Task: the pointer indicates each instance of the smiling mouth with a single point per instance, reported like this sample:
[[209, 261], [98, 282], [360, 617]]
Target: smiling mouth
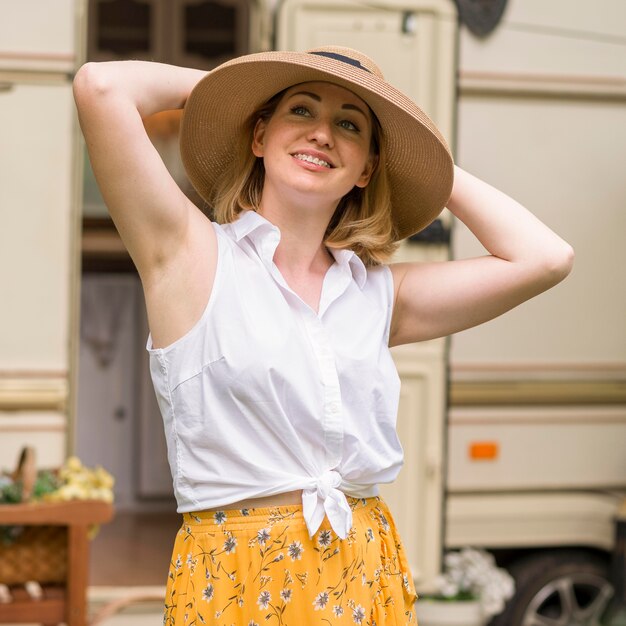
[[311, 159]]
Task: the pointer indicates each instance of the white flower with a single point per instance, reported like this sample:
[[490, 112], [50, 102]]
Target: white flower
[[264, 599], [295, 550], [475, 572], [230, 544], [207, 593], [321, 601], [447, 587], [324, 538], [358, 614]]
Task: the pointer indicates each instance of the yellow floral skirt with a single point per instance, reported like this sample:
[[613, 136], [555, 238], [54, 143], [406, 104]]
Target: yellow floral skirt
[[252, 567]]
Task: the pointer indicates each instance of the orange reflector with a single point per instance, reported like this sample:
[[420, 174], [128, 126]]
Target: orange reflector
[[484, 451]]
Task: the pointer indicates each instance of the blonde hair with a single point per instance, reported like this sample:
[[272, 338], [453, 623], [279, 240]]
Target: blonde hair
[[362, 221]]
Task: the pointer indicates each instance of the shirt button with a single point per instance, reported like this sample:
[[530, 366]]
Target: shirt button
[[334, 407]]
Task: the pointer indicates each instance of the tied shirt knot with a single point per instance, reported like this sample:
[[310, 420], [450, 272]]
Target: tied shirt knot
[[325, 498]]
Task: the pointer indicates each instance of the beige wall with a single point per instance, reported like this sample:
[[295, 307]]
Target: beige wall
[[542, 116], [39, 256]]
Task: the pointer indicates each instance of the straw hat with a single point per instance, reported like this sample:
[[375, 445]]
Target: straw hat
[[419, 163]]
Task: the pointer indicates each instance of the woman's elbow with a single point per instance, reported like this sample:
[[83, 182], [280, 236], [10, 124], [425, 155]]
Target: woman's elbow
[[90, 79], [559, 263]]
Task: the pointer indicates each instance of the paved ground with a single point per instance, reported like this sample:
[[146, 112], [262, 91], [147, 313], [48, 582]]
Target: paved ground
[[146, 613]]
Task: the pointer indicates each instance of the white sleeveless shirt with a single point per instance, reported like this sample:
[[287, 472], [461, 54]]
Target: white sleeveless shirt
[[264, 395]]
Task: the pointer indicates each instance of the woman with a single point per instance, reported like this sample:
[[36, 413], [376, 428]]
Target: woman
[[271, 327]]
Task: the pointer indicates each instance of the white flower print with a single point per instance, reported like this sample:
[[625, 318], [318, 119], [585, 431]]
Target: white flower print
[[263, 535], [321, 601], [358, 614], [207, 593], [230, 544], [324, 538], [295, 550], [288, 578], [279, 592], [264, 599], [384, 522], [191, 563], [245, 512]]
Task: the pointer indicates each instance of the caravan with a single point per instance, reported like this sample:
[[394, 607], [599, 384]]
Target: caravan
[[514, 432]]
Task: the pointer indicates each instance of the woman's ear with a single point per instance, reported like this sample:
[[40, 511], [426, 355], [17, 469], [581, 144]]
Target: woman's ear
[[369, 169], [258, 136]]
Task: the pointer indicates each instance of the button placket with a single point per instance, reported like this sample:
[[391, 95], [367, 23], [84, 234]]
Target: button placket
[[332, 423]]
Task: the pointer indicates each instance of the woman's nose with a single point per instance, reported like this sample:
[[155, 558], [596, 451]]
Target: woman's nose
[[322, 132]]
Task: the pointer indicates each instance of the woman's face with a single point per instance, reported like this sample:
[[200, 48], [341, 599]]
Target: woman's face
[[317, 141]]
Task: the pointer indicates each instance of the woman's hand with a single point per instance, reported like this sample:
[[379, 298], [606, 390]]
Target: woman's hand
[[525, 258]]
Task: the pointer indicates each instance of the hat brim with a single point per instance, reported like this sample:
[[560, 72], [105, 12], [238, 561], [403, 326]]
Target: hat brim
[[418, 160]]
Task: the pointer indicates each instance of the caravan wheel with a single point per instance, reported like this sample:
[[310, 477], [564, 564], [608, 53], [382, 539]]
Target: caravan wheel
[[560, 588]]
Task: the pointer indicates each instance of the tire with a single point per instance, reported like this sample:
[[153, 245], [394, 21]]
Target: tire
[[557, 588]]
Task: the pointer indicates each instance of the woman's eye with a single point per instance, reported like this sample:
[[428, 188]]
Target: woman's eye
[[300, 110], [348, 125]]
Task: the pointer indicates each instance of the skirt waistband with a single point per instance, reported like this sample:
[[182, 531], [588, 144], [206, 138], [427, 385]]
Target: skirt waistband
[[240, 518]]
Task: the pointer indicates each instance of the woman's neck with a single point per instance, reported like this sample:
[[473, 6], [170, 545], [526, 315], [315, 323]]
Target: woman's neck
[[301, 250]]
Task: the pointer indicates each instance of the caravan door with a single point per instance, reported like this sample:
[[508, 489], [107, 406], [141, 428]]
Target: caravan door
[[414, 44]]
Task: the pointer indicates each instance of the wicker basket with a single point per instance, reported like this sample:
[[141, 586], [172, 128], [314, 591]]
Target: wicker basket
[[38, 552]]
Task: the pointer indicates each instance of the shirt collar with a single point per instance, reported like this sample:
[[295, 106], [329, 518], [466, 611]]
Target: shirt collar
[[265, 237], [351, 260], [250, 221]]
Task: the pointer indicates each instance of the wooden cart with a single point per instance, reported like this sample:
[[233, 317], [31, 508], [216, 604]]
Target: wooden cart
[[65, 599]]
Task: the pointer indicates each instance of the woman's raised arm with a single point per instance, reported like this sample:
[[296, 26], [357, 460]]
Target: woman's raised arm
[[149, 210], [526, 258]]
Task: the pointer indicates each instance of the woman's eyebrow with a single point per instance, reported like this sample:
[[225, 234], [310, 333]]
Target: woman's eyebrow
[[306, 93], [314, 96], [354, 107]]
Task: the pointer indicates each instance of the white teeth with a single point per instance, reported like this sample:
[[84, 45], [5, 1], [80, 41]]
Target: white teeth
[[311, 159]]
